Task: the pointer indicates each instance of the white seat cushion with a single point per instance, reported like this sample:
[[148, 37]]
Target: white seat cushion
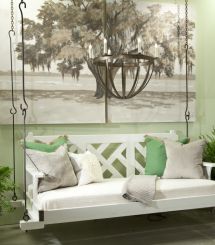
[[176, 188], [106, 192], [109, 192]]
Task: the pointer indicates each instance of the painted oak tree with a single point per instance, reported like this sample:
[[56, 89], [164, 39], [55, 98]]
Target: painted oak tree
[[65, 29], [81, 23], [168, 31]]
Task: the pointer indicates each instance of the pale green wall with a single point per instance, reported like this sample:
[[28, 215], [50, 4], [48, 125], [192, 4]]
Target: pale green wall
[[205, 99]]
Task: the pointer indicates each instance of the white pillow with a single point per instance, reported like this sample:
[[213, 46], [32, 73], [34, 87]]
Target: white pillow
[[56, 166], [184, 161], [87, 167]]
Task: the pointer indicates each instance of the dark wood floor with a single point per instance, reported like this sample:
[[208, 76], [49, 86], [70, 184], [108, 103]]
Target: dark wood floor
[[187, 227]]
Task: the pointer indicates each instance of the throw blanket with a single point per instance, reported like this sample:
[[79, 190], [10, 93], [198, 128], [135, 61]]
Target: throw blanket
[[140, 188]]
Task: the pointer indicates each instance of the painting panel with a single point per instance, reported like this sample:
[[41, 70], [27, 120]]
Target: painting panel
[[164, 98]]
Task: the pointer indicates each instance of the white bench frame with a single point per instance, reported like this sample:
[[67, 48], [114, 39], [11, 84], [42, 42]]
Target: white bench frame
[[41, 218]]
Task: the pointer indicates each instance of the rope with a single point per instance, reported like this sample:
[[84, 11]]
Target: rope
[[13, 110], [24, 108], [187, 112]]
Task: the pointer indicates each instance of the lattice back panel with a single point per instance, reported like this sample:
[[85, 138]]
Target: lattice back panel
[[120, 155]]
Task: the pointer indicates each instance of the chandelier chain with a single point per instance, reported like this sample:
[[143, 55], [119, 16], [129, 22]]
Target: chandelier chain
[[12, 15], [178, 22], [186, 24]]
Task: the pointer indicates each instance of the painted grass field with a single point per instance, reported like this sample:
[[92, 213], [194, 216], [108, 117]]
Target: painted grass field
[[53, 100]]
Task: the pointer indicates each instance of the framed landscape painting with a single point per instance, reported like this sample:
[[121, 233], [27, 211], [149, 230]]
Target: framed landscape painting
[[61, 39]]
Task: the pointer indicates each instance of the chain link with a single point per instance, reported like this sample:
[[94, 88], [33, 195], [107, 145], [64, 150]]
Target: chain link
[[12, 15]]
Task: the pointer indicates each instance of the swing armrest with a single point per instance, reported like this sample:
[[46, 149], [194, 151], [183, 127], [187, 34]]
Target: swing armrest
[[208, 166], [34, 175], [34, 172]]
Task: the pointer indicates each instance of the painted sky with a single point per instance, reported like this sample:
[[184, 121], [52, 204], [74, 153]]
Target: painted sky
[[31, 12]]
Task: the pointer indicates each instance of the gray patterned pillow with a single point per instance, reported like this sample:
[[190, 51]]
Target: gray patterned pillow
[[56, 166], [184, 161]]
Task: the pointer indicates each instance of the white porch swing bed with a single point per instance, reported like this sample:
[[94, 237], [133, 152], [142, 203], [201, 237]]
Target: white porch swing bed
[[104, 200]]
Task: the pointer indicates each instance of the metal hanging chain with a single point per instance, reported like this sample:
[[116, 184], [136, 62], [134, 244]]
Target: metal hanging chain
[[178, 27], [24, 108], [187, 112], [13, 109], [105, 18]]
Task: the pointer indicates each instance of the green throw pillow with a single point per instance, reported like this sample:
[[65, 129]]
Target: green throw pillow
[[156, 155], [50, 147]]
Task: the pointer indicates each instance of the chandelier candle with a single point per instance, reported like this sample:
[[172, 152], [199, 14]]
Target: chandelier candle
[[109, 52], [105, 46], [139, 45], [156, 50], [90, 51]]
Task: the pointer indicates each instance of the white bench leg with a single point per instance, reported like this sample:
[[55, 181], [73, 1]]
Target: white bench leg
[[31, 225]]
